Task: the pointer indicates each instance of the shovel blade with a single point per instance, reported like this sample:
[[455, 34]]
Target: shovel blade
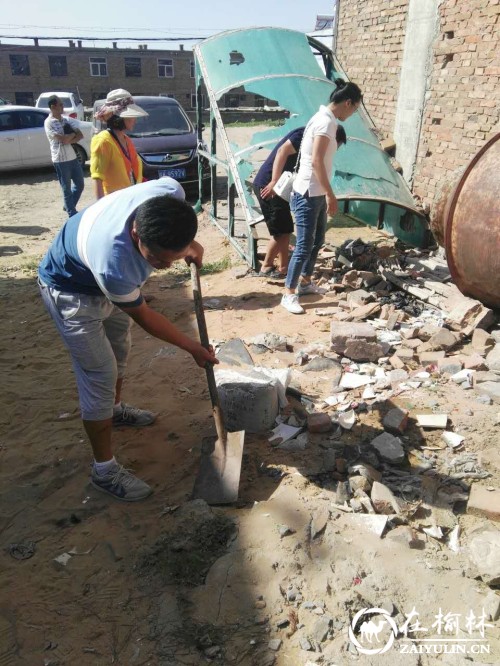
[[218, 477]]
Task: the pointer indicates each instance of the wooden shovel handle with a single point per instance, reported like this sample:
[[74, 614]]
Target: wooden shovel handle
[[202, 328]]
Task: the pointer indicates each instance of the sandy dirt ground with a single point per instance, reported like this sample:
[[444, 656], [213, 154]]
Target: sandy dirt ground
[[169, 582]]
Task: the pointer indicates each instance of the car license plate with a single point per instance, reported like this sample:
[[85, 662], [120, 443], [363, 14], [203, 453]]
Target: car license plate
[[173, 173]]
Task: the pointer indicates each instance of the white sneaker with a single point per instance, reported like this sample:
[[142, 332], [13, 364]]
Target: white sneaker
[[309, 288], [291, 303]]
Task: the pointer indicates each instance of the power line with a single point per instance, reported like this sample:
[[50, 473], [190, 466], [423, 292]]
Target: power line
[[110, 39], [16, 26]]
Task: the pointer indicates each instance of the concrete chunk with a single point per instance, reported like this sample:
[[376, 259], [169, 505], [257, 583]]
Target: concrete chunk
[[319, 422], [483, 502], [234, 352], [442, 340], [404, 353], [389, 447], [342, 332], [365, 311], [427, 331], [492, 389], [360, 297], [383, 499], [396, 420], [473, 362], [449, 366], [430, 357], [493, 359], [248, 400], [405, 535], [482, 341], [360, 350], [396, 362], [484, 549]]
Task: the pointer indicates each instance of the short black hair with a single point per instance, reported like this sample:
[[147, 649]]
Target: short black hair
[[344, 91], [165, 222], [115, 122], [52, 101]]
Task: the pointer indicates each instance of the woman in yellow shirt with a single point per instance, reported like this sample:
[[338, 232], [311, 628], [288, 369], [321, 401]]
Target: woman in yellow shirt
[[114, 163]]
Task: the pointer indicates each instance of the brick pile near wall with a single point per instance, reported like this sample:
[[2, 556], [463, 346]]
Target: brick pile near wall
[[463, 105], [370, 49]]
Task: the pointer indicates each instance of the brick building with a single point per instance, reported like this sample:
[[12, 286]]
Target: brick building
[[460, 102], [26, 71]]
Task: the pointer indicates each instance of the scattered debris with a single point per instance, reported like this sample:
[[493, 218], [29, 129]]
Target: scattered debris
[[22, 551]]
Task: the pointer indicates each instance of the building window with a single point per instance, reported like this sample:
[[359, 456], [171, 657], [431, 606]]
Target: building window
[[193, 101], [192, 70], [133, 67], [98, 67], [58, 66], [25, 98], [259, 100], [165, 68], [231, 100], [19, 65]]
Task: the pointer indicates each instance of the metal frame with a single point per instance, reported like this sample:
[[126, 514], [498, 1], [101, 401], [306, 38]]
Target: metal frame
[[235, 187]]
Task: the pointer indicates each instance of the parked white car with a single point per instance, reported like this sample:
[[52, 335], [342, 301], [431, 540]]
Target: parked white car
[[73, 105], [23, 142]]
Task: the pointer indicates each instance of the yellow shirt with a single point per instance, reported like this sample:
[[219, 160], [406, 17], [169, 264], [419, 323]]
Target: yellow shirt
[[109, 164]]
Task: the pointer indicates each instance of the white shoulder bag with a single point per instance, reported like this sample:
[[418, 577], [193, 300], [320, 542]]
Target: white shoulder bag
[[284, 185]]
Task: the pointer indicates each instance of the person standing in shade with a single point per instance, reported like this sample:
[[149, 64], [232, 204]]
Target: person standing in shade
[[276, 211], [61, 133], [114, 162], [312, 197]]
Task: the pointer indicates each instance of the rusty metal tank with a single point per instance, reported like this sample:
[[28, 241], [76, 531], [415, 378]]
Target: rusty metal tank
[[466, 221]]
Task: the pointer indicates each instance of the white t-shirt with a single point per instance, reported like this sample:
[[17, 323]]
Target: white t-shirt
[[94, 253], [323, 123], [60, 152]]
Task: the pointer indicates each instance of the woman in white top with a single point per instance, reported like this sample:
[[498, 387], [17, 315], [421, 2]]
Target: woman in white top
[[312, 197]]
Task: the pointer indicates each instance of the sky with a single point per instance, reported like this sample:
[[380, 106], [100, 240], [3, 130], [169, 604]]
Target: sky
[[152, 18]]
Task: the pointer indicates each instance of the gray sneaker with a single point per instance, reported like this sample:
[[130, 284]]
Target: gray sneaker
[[132, 416], [121, 484], [305, 288]]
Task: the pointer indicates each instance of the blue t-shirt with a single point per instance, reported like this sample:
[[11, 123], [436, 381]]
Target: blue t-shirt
[[265, 172], [94, 252]]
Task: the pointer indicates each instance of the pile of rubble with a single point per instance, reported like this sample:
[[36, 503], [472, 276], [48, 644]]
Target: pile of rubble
[[397, 327]]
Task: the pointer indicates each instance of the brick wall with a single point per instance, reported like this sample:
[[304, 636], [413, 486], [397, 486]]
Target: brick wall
[[370, 49], [463, 96], [463, 105]]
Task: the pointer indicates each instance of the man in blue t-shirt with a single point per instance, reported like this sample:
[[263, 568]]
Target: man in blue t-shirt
[[90, 281], [276, 211]]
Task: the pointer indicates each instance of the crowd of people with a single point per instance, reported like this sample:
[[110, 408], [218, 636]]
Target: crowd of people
[[91, 277]]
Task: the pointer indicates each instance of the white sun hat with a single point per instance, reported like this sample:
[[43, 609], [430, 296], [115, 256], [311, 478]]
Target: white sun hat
[[120, 103]]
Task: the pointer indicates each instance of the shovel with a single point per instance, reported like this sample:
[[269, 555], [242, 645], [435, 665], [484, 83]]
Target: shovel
[[218, 478]]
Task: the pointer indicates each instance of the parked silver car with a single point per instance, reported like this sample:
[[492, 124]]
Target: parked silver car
[[23, 142]]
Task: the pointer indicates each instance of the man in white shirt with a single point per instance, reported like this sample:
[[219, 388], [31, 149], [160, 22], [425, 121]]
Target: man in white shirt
[[61, 133]]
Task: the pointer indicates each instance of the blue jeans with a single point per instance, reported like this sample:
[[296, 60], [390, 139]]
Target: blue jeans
[[67, 172], [310, 227]]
